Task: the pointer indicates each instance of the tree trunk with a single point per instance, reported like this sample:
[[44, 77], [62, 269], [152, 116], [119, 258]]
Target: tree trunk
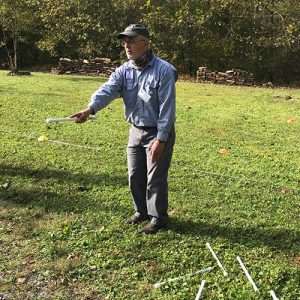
[[9, 59], [271, 75], [15, 40]]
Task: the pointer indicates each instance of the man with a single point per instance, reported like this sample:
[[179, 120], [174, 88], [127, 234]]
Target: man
[[147, 85]]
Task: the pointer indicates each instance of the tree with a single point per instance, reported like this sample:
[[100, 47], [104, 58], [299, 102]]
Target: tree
[[80, 29], [261, 36], [16, 23]]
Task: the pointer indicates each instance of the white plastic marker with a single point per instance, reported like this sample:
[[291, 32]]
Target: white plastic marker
[[159, 284], [273, 295], [55, 120], [200, 290], [247, 273], [216, 258]]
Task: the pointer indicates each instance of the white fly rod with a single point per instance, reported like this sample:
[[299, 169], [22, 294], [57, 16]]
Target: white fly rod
[[159, 284], [55, 120]]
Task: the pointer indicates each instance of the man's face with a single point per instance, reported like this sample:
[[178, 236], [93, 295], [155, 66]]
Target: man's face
[[135, 46]]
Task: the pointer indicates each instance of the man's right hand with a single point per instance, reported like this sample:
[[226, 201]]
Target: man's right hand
[[82, 115]]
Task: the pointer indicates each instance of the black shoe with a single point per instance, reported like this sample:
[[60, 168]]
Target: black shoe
[[151, 228], [135, 220]]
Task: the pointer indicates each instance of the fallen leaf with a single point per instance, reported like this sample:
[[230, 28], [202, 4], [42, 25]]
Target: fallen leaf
[[297, 260], [282, 190], [292, 121], [151, 265], [224, 151], [63, 280], [21, 280]]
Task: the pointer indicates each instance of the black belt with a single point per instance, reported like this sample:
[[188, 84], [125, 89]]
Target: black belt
[[145, 127]]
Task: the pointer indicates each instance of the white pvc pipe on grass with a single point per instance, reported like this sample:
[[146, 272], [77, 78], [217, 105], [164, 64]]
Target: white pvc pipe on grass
[[200, 290], [217, 259], [247, 273], [273, 295]]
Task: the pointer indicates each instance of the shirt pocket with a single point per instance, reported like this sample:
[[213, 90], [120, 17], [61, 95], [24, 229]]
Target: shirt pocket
[[151, 86]]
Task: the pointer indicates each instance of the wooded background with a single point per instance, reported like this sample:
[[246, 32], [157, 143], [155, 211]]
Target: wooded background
[[262, 37]]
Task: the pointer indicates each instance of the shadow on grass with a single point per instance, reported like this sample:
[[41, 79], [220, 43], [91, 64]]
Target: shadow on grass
[[77, 197], [277, 239], [80, 198], [84, 178]]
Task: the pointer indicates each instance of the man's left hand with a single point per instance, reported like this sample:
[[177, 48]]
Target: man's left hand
[[156, 150]]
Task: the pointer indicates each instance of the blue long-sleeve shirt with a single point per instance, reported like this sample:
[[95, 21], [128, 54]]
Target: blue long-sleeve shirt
[[148, 95]]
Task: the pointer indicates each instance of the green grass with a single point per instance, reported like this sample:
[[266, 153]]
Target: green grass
[[61, 217]]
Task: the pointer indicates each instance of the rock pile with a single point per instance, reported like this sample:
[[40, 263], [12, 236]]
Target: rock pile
[[19, 73], [94, 67], [230, 77]]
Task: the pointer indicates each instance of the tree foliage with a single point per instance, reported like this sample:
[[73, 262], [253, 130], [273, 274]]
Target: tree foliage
[[15, 23], [261, 36]]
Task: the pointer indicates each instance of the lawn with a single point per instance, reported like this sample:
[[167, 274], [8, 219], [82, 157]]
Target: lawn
[[234, 183]]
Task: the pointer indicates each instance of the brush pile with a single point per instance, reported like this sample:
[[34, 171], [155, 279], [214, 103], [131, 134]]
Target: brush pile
[[230, 77], [94, 67]]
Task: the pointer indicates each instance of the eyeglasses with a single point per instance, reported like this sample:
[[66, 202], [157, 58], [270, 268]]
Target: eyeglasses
[[131, 42]]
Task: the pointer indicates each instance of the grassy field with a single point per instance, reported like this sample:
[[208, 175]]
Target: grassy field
[[62, 207]]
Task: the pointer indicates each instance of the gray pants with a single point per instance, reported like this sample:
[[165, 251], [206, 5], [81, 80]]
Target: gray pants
[[148, 181]]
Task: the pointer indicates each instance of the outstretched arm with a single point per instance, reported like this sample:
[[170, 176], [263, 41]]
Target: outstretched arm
[[102, 97]]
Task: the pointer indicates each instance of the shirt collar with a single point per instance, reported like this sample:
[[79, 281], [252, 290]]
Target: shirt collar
[[149, 63]]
